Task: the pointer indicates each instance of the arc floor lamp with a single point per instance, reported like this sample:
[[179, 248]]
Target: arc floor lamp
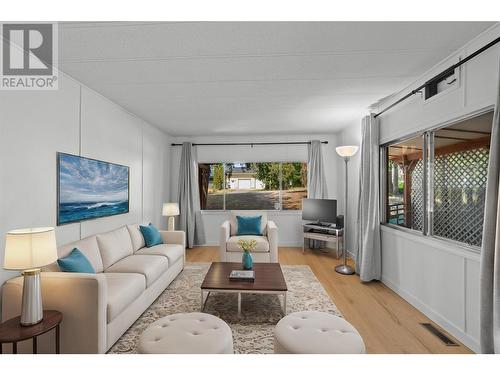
[[345, 152]]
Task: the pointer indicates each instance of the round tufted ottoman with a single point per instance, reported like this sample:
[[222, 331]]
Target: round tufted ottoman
[[314, 332], [195, 333]]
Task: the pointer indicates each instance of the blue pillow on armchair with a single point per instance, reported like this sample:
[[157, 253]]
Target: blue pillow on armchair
[[249, 225], [76, 261], [151, 235]]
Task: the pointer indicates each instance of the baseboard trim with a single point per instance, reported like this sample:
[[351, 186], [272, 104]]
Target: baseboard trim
[[437, 318]]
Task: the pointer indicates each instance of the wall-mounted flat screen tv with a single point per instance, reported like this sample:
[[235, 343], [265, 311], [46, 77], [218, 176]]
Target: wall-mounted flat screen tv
[[90, 189]]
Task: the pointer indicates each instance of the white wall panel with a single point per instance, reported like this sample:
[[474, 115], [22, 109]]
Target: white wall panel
[[34, 126], [472, 300], [481, 78], [111, 134], [156, 168], [438, 278], [430, 274]]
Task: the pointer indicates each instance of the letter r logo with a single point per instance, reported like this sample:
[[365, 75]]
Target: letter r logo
[[27, 49]]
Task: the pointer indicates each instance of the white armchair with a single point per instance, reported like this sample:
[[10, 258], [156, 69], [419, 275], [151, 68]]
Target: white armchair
[[267, 244]]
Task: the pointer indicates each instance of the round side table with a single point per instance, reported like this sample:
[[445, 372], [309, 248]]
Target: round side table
[[11, 331]]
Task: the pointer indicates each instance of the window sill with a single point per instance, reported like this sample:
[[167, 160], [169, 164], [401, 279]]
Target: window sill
[[269, 212], [470, 252]]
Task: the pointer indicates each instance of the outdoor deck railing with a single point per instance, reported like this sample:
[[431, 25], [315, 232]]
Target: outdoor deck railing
[[396, 214]]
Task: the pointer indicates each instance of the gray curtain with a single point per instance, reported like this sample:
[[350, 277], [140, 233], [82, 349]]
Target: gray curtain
[[316, 181], [368, 257], [490, 249], [189, 198]]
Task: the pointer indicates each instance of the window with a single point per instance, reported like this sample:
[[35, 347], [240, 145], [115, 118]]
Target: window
[[294, 187], [404, 187], [460, 168], [211, 184], [436, 182], [252, 186]]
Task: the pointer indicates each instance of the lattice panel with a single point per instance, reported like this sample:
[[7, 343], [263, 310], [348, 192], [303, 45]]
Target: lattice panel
[[459, 191], [459, 194], [417, 197]]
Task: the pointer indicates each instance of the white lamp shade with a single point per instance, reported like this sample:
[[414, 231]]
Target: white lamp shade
[[170, 209], [30, 248], [347, 151]]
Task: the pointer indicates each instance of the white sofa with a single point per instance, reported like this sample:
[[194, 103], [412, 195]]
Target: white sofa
[[98, 308], [267, 244]]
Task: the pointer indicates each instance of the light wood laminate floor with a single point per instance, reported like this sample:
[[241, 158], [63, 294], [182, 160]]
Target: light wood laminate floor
[[387, 322]]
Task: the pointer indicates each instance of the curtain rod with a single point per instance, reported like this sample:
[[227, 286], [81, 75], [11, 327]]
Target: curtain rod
[[440, 75], [250, 144]]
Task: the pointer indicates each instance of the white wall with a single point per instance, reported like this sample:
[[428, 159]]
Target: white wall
[[289, 223], [440, 279], [35, 125]]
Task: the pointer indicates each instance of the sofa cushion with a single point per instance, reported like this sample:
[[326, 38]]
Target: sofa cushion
[[234, 222], [136, 237], [88, 246], [75, 262], [171, 251], [262, 244], [249, 225], [151, 235], [114, 245], [151, 266], [123, 289]]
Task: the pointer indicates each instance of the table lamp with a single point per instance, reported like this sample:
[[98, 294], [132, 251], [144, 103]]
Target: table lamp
[[171, 210], [28, 250], [345, 152]]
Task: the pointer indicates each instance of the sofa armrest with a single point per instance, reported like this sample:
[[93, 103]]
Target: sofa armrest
[[82, 299], [272, 237], [174, 237], [224, 234]]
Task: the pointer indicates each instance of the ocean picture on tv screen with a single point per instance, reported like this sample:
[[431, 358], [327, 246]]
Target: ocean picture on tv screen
[[89, 189]]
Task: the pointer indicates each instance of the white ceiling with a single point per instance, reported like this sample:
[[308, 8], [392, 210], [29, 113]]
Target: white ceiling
[[235, 78]]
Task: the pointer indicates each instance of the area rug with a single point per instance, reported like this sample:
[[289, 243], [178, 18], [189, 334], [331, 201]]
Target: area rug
[[253, 331]]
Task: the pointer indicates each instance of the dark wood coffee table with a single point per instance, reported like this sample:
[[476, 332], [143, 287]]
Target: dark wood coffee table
[[268, 280]]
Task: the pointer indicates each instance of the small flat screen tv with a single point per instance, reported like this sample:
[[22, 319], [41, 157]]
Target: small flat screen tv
[[89, 189], [319, 210]]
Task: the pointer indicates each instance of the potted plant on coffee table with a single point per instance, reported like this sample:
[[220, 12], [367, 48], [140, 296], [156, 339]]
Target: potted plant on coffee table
[[247, 246]]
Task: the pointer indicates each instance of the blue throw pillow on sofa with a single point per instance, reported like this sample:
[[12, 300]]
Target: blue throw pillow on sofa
[[151, 235], [76, 261], [249, 225]]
